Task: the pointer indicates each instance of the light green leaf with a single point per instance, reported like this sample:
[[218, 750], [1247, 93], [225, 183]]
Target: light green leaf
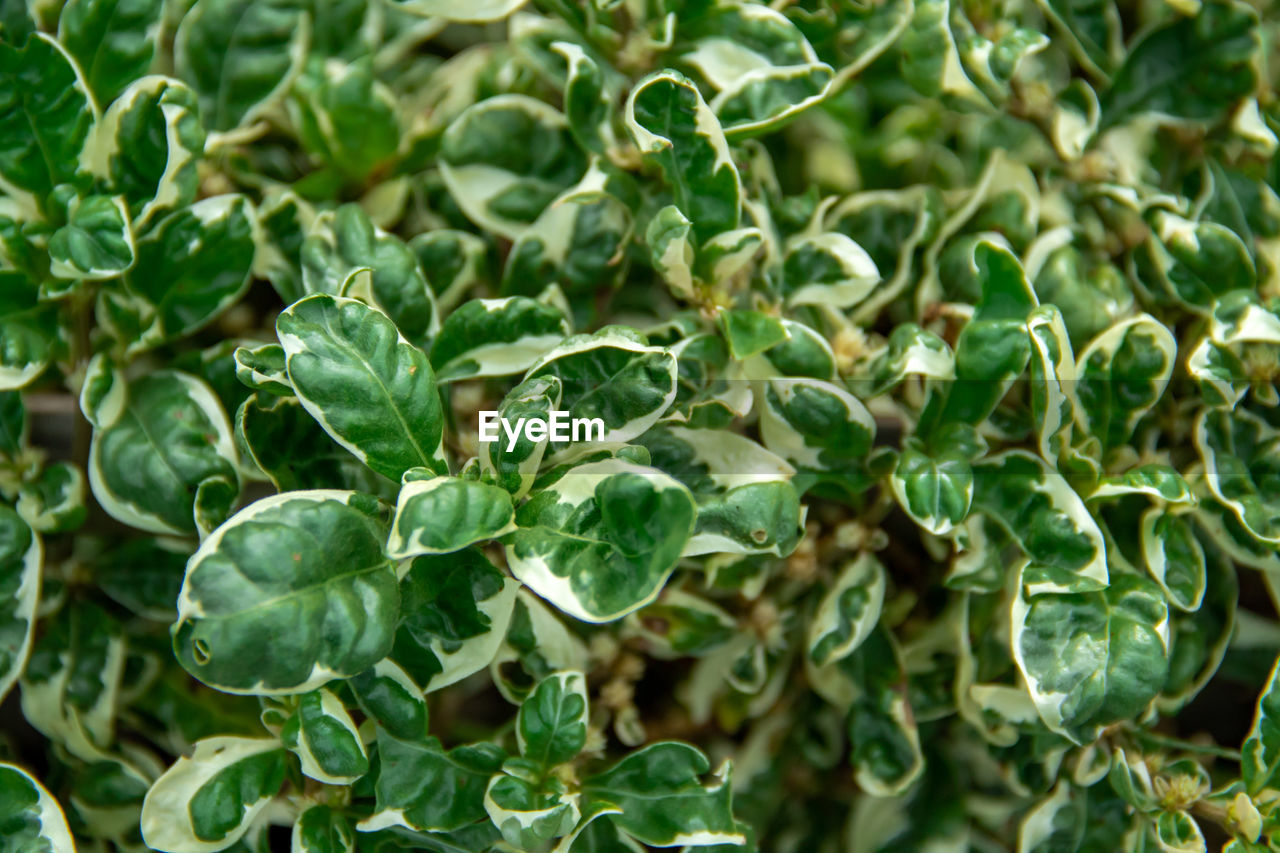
[[111, 40], [163, 458], [602, 539], [1093, 30], [47, 117], [751, 332], [673, 126], [96, 242], [587, 103], [1053, 382], [263, 369], [290, 593], [422, 786], [241, 55], [207, 802], [669, 237], [444, 514], [551, 727], [324, 737], [662, 800], [33, 817], [371, 390], [928, 56], [1092, 658], [1178, 832], [495, 337], [910, 351]]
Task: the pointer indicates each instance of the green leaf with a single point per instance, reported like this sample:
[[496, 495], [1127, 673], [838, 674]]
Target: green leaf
[[96, 242], [1260, 755], [207, 802], [54, 502], [673, 126], [1178, 832], [390, 698], [601, 541], [1046, 517], [849, 611], [669, 237], [193, 265], [455, 609], [319, 829], [662, 800], [613, 376], [324, 737], [289, 593], [1174, 557], [1156, 481], [551, 727], [111, 40], [422, 786], [936, 491], [814, 424], [347, 119], [1241, 455], [1196, 262], [470, 13], [587, 104], [884, 743], [495, 337], [32, 817], [1055, 823], [73, 678], [751, 332], [241, 55], [516, 467], [444, 514], [371, 390], [527, 815], [21, 556], [46, 118], [457, 259], [1122, 373], [14, 427], [1191, 68], [148, 145], [162, 457], [827, 269], [1092, 658], [346, 241], [285, 443], [505, 159]]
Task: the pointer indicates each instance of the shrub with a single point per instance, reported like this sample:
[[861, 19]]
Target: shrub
[[931, 349]]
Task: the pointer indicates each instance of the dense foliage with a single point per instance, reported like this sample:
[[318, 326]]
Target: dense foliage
[[936, 345]]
